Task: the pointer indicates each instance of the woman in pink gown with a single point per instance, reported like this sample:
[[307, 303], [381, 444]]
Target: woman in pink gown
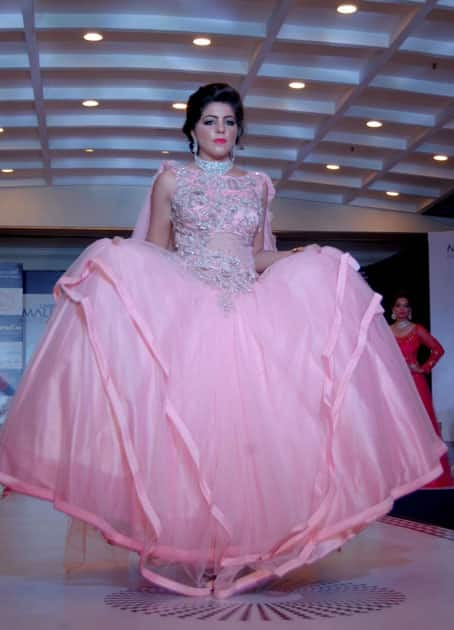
[[227, 426], [411, 337]]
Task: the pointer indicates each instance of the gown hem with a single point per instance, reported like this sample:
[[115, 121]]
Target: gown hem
[[338, 534]]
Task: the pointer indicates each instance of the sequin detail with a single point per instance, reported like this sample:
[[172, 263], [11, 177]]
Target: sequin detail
[[215, 220]]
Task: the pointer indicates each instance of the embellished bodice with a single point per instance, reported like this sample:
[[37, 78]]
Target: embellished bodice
[[215, 219], [409, 345]]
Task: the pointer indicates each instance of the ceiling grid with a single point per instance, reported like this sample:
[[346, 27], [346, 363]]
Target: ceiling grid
[[392, 62]]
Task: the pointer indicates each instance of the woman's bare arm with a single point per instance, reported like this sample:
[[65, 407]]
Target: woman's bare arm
[[263, 258], [160, 228]]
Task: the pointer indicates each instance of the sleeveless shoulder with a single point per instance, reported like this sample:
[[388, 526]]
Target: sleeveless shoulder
[[169, 165], [264, 181]]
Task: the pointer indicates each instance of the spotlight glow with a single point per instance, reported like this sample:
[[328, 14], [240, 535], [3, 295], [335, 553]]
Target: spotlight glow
[[333, 167], [179, 105], [297, 85], [440, 158], [347, 9], [89, 150], [1, 130], [90, 103], [93, 37], [201, 41], [374, 124], [7, 171], [392, 193]]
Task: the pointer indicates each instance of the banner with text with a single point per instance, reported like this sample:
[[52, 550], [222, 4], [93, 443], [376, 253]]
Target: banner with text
[[11, 332], [441, 262]]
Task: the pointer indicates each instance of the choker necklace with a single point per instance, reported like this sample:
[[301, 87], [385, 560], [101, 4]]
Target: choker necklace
[[213, 167], [404, 324]]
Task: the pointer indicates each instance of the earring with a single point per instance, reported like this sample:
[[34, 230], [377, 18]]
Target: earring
[[195, 146], [393, 316], [232, 153], [409, 315]]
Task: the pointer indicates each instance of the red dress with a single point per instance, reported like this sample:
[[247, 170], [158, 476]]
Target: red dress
[[409, 345]]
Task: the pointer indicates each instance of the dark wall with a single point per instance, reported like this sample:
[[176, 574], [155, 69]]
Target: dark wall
[[405, 263], [407, 270]]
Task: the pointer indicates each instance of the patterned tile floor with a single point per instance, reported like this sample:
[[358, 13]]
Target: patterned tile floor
[[396, 574]]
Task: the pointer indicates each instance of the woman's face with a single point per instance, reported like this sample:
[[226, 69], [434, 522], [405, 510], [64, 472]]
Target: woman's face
[[401, 308], [216, 131]]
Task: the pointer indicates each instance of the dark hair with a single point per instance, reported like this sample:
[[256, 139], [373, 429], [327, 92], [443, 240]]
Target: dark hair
[[401, 294], [212, 93]]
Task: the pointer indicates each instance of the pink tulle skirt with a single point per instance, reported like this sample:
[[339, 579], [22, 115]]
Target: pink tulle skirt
[[224, 447]]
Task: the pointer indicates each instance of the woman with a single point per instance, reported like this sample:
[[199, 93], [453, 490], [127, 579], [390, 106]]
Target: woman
[[226, 427], [411, 337]]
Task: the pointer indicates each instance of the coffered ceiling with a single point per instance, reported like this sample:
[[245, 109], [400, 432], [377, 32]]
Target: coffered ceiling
[[391, 62]]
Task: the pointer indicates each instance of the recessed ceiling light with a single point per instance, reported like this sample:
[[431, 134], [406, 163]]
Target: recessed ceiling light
[[90, 103], [392, 193], [374, 124], [1, 130], [93, 37], [164, 152], [347, 9], [333, 167], [297, 85], [7, 170], [440, 158], [179, 105], [89, 150], [201, 41]]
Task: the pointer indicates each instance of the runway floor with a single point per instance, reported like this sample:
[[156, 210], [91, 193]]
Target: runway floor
[[396, 574]]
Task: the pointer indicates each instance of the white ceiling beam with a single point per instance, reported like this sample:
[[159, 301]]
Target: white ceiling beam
[[28, 15], [385, 203], [425, 46], [405, 116], [115, 92], [273, 27], [407, 25], [327, 179], [442, 145], [20, 182], [277, 129], [311, 195], [332, 36], [18, 120], [116, 142], [18, 93], [289, 104], [375, 140], [407, 188], [14, 61], [432, 171], [417, 86], [361, 162], [136, 61], [148, 23], [117, 120], [20, 144], [316, 73], [11, 22]]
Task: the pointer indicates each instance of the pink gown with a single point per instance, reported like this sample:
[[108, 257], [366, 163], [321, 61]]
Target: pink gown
[[226, 427], [409, 345]]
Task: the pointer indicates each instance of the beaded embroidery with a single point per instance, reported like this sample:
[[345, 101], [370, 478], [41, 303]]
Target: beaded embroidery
[[215, 220]]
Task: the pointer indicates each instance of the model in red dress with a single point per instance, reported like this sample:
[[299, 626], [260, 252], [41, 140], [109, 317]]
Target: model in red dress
[[410, 337]]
